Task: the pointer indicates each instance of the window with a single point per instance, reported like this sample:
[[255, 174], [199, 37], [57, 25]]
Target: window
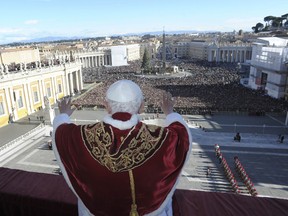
[[20, 101], [36, 98], [18, 97], [35, 93], [49, 92], [2, 111], [59, 88]]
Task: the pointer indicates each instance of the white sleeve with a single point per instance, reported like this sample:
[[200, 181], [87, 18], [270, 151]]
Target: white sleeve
[[166, 207], [60, 119], [174, 117]]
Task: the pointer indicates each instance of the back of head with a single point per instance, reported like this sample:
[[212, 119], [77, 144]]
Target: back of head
[[124, 96]]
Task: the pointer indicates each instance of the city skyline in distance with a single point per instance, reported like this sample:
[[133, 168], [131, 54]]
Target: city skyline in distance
[[27, 20]]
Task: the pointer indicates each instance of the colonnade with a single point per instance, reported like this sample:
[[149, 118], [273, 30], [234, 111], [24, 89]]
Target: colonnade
[[73, 82], [229, 55], [95, 60]]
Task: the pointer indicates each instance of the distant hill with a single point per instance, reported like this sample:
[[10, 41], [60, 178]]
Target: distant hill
[[61, 38], [169, 32], [49, 39]]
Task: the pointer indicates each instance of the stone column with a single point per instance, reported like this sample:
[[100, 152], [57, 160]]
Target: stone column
[[217, 55], [80, 79], [54, 89], [222, 55], [71, 84], [27, 101], [8, 99], [66, 83], [97, 61], [237, 56], [42, 92], [77, 80], [83, 61], [30, 96], [230, 52], [105, 59], [64, 80], [13, 103]]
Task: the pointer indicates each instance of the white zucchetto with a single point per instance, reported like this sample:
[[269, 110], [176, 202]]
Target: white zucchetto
[[124, 91]]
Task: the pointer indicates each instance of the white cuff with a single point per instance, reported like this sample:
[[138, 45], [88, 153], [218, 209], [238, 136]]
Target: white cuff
[[174, 117], [60, 119]]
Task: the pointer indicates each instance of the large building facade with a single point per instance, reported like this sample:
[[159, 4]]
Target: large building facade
[[23, 91], [229, 52], [213, 52], [269, 66]]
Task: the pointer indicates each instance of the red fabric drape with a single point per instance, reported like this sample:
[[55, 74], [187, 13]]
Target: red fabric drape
[[103, 191]]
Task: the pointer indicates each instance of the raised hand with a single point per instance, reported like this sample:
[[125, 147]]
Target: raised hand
[[167, 103], [65, 106]]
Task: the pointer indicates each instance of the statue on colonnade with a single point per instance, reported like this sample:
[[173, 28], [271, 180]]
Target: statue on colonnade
[[6, 69], [1, 69], [49, 112]]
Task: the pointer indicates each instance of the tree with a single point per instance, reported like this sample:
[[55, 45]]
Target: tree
[[285, 16], [146, 62], [258, 27], [274, 21], [266, 28], [269, 20], [277, 22]]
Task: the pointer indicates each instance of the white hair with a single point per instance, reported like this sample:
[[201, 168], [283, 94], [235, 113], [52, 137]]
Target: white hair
[[131, 107]]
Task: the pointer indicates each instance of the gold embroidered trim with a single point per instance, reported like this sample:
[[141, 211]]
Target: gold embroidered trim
[[134, 150], [133, 211]]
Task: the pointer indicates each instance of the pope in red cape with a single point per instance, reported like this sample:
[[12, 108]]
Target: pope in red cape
[[122, 166]]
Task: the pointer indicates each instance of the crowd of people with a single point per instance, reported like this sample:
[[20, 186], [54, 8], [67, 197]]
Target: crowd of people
[[208, 88]]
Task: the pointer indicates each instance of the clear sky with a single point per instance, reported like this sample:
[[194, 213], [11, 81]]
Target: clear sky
[[26, 19]]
